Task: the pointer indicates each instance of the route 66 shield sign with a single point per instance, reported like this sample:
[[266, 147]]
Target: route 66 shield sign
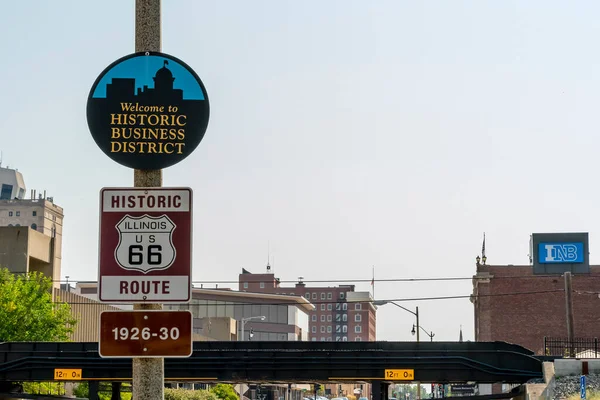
[[145, 243]]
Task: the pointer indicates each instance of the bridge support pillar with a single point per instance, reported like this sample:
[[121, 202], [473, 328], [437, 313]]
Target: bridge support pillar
[[379, 390], [116, 391], [93, 394]]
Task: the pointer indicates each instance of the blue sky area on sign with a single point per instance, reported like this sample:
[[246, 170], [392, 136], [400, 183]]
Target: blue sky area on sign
[[143, 69]]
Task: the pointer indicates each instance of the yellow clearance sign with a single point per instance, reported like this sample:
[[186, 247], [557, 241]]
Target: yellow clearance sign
[[400, 374], [63, 374]]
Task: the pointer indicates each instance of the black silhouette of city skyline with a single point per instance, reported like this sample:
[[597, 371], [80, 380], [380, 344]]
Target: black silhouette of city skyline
[[163, 91]]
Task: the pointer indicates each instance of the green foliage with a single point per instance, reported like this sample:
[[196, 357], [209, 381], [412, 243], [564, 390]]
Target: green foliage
[[182, 394], [52, 388], [27, 311], [224, 392], [104, 393]]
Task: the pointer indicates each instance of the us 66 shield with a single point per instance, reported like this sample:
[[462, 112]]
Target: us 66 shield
[[145, 245]]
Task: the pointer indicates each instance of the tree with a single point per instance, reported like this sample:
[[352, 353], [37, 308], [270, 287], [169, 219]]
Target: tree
[[224, 392], [27, 311]]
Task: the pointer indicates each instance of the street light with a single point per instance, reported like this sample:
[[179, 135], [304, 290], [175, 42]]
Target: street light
[[430, 334], [415, 313], [241, 338], [244, 320], [415, 330]]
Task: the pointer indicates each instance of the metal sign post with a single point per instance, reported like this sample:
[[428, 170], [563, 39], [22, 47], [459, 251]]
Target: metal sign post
[[146, 111]]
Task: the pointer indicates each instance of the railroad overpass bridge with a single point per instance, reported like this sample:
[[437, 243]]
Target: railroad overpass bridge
[[285, 362]]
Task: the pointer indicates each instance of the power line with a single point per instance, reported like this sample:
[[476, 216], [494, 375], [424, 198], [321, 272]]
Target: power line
[[233, 303], [343, 281]]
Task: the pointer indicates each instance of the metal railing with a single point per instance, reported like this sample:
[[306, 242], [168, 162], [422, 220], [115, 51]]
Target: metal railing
[[576, 348]]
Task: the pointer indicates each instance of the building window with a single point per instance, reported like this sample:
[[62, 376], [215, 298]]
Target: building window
[[10, 213], [344, 338], [344, 328], [307, 295], [329, 329], [34, 227], [357, 339], [345, 317], [322, 329], [34, 213], [329, 318], [338, 318], [6, 192], [313, 329], [322, 318], [262, 285], [338, 306], [329, 296], [329, 306], [18, 213], [245, 285], [344, 306], [314, 296], [314, 339], [322, 296], [357, 329], [322, 338], [337, 338], [342, 295], [338, 328], [357, 318], [322, 307], [329, 339], [313, 318], [358, 306]]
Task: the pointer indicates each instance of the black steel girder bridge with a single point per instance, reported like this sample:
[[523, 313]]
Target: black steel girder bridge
[[270, 362]]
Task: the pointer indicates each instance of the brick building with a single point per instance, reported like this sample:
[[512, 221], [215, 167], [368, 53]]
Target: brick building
[[340, 314], [525, 319]]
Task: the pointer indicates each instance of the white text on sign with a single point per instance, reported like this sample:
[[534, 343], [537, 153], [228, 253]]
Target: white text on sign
[[400, 374]]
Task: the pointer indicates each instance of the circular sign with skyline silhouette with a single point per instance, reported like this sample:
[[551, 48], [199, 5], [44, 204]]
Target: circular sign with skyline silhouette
[[148, 110]]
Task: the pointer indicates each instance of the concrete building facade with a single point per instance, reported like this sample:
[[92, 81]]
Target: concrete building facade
[[12, 185], [23, 250], [39, 249]]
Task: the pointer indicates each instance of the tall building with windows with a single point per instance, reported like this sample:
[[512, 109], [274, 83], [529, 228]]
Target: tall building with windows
[[30, 229], [341, 314]]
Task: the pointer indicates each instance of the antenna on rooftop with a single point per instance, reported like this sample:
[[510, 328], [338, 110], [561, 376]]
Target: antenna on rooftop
[[268, 256]]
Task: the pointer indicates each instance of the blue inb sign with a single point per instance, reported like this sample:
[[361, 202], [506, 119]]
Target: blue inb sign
[[583, 386], [560, 253]]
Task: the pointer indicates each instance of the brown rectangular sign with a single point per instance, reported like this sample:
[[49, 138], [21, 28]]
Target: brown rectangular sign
[[145, 334]]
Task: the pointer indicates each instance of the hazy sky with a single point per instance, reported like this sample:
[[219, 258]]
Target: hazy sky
[[347, 134]]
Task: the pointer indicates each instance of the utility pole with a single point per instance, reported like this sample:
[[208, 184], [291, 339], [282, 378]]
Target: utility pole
[[418, 330], [148, 373], [569, 308]]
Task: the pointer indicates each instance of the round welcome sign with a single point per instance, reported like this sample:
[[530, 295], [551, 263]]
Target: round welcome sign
[[148, 110]]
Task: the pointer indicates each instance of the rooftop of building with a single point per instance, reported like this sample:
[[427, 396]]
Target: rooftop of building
[[297, 300]]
